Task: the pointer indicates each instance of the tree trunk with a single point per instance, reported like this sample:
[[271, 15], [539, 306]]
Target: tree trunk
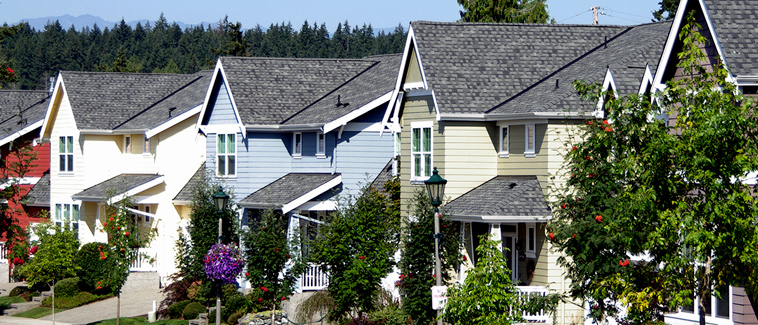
[[273, 314], [52, 289], [118, 308], [705, 285]]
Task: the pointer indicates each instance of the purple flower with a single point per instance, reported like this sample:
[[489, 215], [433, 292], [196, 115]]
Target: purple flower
[[223, 263]]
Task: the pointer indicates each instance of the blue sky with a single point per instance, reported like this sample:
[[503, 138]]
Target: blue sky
[[380, 14]]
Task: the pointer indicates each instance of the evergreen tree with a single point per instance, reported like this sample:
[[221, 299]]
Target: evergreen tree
[[668, 7], [504, 11]]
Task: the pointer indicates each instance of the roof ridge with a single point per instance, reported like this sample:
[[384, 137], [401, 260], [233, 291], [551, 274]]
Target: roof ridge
[[261, 58], [425, 22], [130, 73], [197, 77]]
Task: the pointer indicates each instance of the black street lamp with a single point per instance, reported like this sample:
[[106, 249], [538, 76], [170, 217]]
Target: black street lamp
[[220, 199], [435, 187]]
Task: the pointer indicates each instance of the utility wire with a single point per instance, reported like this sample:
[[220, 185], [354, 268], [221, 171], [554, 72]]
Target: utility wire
[[562, 20]]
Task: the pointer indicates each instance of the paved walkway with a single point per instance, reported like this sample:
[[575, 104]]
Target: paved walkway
[[132, 304]]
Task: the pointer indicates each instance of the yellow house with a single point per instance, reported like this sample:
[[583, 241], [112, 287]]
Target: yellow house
[[492, 107], [114, 135]]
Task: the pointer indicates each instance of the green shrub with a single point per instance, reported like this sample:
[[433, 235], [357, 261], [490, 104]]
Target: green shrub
[[192, 310], [236, 303], [94, 271], [81, 298], [176, 309], [212, 314], [235, 317], [68, 287], [17, 291]]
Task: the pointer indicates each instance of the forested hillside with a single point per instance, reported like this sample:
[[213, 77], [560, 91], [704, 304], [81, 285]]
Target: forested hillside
[[165, 48]]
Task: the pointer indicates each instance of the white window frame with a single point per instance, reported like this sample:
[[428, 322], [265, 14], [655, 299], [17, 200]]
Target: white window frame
[[424, 174], [67, 216], [222, 169], [127, 144], [711, 318], [297, 144], [505, 132], [529, 146], [320, 145], [66, 154], [531, 240], [146, 146]]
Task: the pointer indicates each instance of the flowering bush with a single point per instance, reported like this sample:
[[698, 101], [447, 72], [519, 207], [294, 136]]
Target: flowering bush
[[223, 263]]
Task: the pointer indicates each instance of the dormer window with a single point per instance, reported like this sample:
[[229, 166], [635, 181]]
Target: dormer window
[[297, 145], [320, 145]]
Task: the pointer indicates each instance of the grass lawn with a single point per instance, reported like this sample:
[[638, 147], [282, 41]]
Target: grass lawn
[[11, 300], [139, 321], [37, 312]]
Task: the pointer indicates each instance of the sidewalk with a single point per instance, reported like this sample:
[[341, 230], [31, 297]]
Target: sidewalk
[[10, 320]]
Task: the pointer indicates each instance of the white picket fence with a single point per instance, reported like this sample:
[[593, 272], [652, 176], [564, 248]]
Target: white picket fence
[[313, 278], [525, 292], [142, 261]]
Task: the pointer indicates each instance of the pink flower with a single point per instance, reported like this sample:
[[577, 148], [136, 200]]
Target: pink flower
[[260, 299]]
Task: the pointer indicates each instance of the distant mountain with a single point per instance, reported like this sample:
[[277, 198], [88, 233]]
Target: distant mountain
[[80, 22]]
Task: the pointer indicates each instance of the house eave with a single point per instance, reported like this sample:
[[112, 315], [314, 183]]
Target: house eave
[[476, 117], [516, 219]]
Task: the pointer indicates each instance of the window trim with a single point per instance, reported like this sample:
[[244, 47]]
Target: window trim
[[128, 144], [297, 144], [146, 146], [531, 240], [70, 221], [505, 152], [320, 140], [66, 166], [530, 153], [226, 155], [423, 174]]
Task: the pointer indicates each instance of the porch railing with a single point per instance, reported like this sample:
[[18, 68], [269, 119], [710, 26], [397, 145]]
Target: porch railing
[[314, 278], [142, 262], [524, 293]]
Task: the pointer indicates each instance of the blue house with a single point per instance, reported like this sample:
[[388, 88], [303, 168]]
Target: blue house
[[298, 134]]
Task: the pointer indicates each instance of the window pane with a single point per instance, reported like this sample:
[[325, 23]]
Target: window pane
[[397, 143], [221, 144], [298, 143], [504, 140], [70, 159], [66, 212], [127, 144], [146, 147], [57, 212], [531, 239], [722, 305], [62, 162], [416, 147], [231, 143], [417, 165], [221, 165], [62, 144], [75, 212], [321, 142], [70, 148], [530, 139], [427, 165], [232, 165], [427, 139]]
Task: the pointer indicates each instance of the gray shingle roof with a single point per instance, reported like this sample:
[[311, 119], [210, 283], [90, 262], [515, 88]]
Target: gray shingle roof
[[505, 196], [114, 186], [367, 86], [39, 195], [104, 100], [185, 194], [736, 24], [286, 189], [383, 177], [20, 108], [626, 54], [475, 67], [270, 90], [183, 99]]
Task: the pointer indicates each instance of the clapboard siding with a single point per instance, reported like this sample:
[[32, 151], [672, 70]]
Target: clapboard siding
[[742, 308], [360, 156], [417, 109], [222, 112], [470, 156], [517, 163], [308, 162]]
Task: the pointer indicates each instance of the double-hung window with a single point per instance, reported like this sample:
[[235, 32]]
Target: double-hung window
[[421, 150], [320, 145], [226, 153], [66, 153], [505, 141], [67, 217], [297, 144], [529, 136]]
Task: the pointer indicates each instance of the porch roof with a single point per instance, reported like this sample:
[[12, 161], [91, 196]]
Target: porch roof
[[502, 198], [291, 191], [119, 187]]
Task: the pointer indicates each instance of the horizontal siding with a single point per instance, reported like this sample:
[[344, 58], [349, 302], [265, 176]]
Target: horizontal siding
[[360, 156], [470, 156], [417, 109], [222, 112], [308, 162], [743, 312], [63, 185]]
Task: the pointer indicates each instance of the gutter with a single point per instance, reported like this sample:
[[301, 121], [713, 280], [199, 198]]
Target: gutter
[[517, 116]]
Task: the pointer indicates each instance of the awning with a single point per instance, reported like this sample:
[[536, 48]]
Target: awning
[[502, 199], [291, 191], [119, 187]]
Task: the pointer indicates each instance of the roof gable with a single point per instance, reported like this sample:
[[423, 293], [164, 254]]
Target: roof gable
[[21, 112]]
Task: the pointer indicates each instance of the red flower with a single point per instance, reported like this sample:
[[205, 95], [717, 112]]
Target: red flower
[[260, 299], [586, 158], [563, 206], [99, 287], [463, 257], [18, 261], [102, 257], [33, 250], [111, 218], [599, 218], [605, 122], [284, 298], [573, 236], [589, 123], [98, 283], [118, 228], [276, 250], [361, 257], [434, 276], [10, 71], [574, 148], [287, 256], [105, 224], [609, 129], [551, 235], [247, 273], [444, 226], [264, 289], [591, 175], [624, 263], [126, 233]]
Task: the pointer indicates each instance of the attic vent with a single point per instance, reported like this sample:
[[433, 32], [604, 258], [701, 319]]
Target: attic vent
[[171, 110], [340, 103], [512, 185], [556, 82]]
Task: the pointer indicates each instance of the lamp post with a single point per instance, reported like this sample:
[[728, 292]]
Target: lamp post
[[435, 187], [220, 199]]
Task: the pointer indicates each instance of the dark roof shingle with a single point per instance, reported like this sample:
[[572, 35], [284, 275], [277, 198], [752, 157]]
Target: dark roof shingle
[[114, 186], [286, 189], [39, 195], [186, 193], [736, 25], [502, 196], [21, 108]]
